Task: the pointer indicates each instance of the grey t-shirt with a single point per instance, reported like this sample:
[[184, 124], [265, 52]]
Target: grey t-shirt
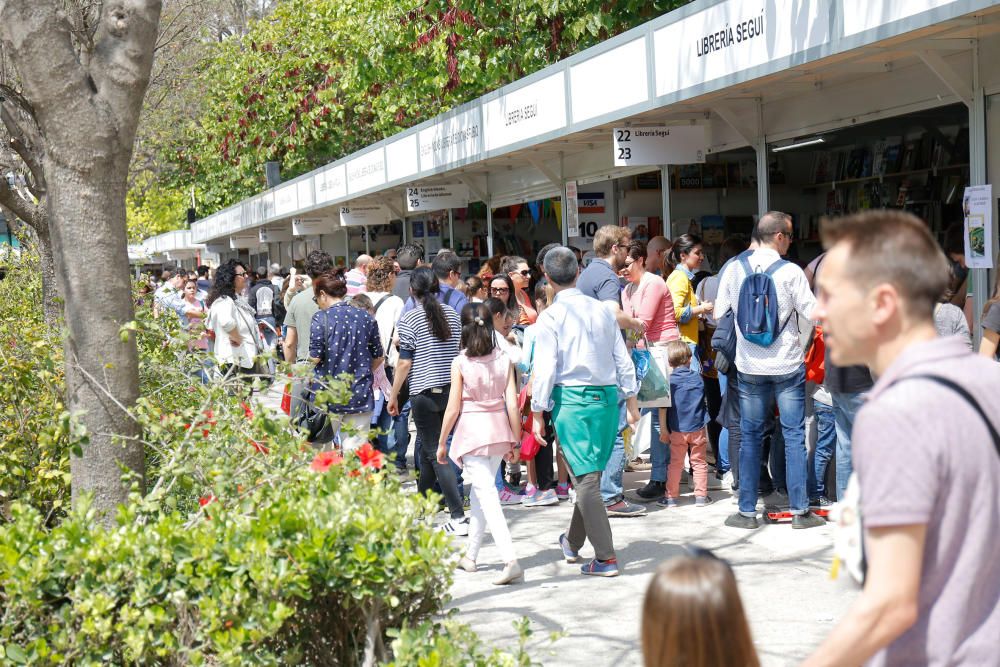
[[949, 320], [924, 456], [599, 281], [299, 315], [991, 320]]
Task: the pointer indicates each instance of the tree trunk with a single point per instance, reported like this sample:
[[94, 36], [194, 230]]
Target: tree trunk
[[89, 240], [51, 305]]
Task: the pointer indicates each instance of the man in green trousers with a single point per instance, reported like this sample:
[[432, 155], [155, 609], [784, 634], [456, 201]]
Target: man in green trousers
[[580, 365]]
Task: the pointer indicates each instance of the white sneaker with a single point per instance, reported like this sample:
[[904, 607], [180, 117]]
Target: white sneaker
[[727, 480], [508, 497], [458, 527]]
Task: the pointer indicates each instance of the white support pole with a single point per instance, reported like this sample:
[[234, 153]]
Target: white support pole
[[489, 226], [565, 216], [977, 176], [665, 197], [451, 229], [760, 146], [347, 247]]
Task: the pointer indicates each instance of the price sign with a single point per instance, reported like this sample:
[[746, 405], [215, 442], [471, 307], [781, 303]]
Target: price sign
[[437, 197], [640, 146], [364, 214]]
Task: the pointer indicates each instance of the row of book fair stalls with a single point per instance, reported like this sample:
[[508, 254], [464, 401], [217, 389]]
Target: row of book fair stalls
[[897, 114]]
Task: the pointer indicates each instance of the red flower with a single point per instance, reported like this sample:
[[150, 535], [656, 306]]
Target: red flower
[[370, 457], [259, 446], [204, 500], [246, 410], [324, 460]]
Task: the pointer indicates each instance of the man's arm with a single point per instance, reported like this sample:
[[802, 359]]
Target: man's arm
[[291, 345], [888, 604]]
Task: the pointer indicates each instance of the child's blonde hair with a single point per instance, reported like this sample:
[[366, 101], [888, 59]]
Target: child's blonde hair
[[693, 616], [678, 353]]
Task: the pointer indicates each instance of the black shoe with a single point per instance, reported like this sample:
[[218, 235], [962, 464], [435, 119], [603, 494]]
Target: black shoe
[[739, 521], [651, 491], [820, 503], [807, 520]]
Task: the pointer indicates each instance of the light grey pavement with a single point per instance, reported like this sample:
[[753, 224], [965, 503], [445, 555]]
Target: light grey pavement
[[783, 577]]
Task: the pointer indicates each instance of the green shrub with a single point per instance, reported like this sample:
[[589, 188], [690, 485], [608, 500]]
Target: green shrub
[[36, 432]]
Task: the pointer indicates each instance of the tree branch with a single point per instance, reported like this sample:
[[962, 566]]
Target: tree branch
[[32, 214], [122, 61], [29, 149], [39, 33]]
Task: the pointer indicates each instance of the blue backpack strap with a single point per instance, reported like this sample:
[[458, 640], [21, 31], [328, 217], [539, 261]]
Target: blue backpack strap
[[745, 263], [774, 267]]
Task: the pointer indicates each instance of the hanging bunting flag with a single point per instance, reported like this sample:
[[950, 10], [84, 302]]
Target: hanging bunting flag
[[535, 209], [557, 207], [514, 210]]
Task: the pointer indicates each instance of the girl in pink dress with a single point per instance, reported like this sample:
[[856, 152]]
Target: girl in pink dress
[[483, 402]]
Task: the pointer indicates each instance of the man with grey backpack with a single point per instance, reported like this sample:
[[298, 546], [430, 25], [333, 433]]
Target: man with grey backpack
[[926, 455], [765, 292]]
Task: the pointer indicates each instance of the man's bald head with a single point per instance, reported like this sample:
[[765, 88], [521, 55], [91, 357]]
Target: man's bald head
[[656, 250]]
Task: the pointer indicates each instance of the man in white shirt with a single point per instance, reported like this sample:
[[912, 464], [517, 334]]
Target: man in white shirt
[[775, 372], [580, 364]]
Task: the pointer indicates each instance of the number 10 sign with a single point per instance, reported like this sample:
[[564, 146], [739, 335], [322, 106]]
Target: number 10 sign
[[638, 146]]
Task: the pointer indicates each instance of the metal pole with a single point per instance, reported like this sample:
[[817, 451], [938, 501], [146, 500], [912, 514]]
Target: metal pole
[[368, 245], [977, 176], [763, 186], [489, 227], [451, 229], [347, 247], [665, 198], [565, 215]]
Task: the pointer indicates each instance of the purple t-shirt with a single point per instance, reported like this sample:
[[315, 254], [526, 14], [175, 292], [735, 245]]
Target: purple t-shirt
[[924, 456]]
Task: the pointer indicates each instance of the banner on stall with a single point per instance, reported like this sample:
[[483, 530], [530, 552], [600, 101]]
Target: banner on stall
[[977, 207], [437, 197], [572, 209], [366, 214], [651, 146]]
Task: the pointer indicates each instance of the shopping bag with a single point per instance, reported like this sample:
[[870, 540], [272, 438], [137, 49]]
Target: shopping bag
[[654, 384], [658, 359], [643, 434]]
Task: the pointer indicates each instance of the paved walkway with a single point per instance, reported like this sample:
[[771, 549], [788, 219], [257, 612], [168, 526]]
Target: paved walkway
[[783, 578]]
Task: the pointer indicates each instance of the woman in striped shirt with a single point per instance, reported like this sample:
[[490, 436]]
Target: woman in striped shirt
[[429, 336]]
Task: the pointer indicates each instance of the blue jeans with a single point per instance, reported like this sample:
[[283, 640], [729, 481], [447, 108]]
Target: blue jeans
[[659, 452], [845, 409], [400, 440], [611, 480], [695, 360], [722, 465], [756, 395], [382, 420], [826, 441]]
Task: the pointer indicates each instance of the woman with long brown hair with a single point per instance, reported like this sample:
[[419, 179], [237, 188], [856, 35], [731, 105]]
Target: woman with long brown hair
[[693, 616]]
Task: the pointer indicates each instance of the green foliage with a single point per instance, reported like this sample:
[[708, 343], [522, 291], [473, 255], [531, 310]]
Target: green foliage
[[319, 79], [36, 432], [152, 209], [452, 644]]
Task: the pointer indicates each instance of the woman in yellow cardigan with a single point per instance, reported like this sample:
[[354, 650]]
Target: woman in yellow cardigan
[[687, 257]]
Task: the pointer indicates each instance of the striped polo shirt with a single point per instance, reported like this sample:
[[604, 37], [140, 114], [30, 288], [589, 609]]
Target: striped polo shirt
[[431, 357]]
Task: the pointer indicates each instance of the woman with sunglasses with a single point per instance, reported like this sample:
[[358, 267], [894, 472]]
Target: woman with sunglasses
[[517, 268], [502, 287], [231, 321]]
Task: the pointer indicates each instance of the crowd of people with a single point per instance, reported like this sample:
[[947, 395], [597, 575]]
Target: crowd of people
[[782, 384]]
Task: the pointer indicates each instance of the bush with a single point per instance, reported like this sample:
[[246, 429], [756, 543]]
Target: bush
[[36, 432]]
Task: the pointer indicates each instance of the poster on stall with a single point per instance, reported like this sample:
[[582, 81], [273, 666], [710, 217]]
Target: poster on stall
[[977, 207]]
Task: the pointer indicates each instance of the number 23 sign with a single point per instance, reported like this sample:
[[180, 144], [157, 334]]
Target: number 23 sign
[[638, 146]]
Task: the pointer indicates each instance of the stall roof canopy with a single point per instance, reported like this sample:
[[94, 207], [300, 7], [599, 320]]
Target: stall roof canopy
[[523, 141]]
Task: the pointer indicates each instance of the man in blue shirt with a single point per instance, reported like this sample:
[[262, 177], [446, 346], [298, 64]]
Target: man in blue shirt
[[600, 281], [448, 269]]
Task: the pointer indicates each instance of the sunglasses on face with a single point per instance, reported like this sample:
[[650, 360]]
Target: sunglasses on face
[[523, 272], [240, 275], [499, 289]]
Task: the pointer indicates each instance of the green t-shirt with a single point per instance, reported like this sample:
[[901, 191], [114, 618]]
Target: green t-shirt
[[300, 312]]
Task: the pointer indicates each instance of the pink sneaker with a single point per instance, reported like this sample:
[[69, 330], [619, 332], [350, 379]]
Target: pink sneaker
[[508, 497]]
